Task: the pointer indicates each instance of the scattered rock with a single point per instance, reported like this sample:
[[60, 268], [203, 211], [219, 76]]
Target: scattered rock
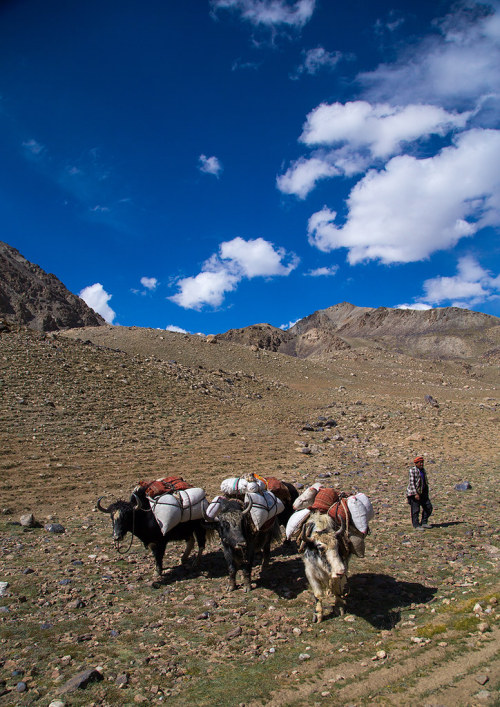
[[463, 486], [481, 679], [54, 528], [431, 401], [80, 681]]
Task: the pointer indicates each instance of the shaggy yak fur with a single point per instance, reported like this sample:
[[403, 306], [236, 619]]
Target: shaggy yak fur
[[241, 540], [135, 517], [326, 551]]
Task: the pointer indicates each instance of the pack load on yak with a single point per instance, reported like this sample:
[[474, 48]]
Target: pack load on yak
[[172, 501], [262, 504], [355, 509]]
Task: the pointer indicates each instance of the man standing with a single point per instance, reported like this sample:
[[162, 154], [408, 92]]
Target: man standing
[[418, 495]]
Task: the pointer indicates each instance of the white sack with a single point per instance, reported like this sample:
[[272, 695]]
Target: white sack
[[167, 511], [265, 506], [213, 508], [356, 542], [359, 514], [238, 486], [306, 498], [172, 509], [295, 522], [367, 504], [193, 502]]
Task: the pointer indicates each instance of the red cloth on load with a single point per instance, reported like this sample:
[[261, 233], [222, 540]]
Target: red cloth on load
[[328, 500], [167, 485], [324, 500], [279, 489]]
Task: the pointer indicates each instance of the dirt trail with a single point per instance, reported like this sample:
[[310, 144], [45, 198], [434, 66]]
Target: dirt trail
[[442, 675]]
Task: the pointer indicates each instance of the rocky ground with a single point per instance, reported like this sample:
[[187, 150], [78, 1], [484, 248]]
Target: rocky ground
[[90, 412]]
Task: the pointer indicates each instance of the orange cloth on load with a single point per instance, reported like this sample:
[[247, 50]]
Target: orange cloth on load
[[167, 485]]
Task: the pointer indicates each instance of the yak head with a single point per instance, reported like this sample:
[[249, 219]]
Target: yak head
[[322, 537], [122, 515], [231, 523]]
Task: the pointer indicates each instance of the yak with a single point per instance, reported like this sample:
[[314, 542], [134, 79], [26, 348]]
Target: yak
[[135, 517], [241, 540], [326, 550]]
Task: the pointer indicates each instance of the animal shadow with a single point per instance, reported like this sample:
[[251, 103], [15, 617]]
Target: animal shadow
[[211, 564], [285, 575], [379, 598]]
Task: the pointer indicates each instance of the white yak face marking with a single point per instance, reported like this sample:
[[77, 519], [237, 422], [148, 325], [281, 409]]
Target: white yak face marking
[[117, 521], [337, 566]]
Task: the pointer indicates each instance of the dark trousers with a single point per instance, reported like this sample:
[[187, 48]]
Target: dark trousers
[[415, 506]]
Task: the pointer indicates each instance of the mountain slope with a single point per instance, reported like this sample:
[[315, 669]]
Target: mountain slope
[[448, 332], [29, 295]]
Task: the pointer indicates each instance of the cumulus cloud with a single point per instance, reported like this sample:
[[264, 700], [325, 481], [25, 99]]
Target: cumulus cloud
[[402, 209], [302, 176], [210, 165], [471, 285], [270, 13], [323, 272], [361, 134], [315, 60], [150, 283], [417, 305], [285, 327], [97, 298], [381, 128], [413, 207], [223, 271], [178, 329]]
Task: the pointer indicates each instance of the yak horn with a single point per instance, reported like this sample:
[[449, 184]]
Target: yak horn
[[98, 504], [248, 506], [341, 530], [138, 503]]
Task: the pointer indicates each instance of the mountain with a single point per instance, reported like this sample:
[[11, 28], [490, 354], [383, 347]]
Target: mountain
[[29, 295], [448, 332]]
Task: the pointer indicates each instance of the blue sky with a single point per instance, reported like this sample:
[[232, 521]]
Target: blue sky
[[206, 165]]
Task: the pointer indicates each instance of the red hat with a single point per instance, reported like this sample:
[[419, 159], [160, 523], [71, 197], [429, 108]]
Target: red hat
[[418, 459]]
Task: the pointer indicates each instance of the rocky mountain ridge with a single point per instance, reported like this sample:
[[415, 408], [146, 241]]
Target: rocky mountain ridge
[[30, 296], [448, 332]]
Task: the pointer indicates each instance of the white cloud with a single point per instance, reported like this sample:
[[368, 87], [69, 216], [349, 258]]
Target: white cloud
[[210, 165], [459, 65], [413, 208], [382, 128], [150, 283], [315, 60], [33, 148], [97, 298], [205, 288], [289, 325], [222, 272], [471, 285], [178, 329], [421, 306], [302, 176], [270, 13], [256, 258], [323, 272]]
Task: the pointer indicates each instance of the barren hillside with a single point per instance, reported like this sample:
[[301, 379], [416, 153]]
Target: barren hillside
[[90, 411]]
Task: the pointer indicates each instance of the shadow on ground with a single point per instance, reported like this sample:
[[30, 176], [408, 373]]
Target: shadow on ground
[[379, 598]]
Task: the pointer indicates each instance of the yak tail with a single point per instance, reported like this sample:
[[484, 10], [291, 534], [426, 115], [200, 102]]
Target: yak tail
[[276, 534], [211, 533]]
